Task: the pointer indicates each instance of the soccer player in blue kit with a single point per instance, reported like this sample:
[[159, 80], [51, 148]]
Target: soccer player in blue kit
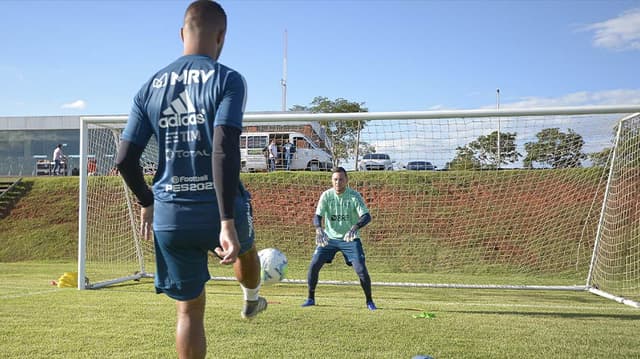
[[344, 213], [197, 204]]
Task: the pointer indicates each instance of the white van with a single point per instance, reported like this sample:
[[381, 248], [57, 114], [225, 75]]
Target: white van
[[305, 154]]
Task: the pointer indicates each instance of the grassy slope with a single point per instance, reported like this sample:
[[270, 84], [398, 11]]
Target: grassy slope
[[44, 223]]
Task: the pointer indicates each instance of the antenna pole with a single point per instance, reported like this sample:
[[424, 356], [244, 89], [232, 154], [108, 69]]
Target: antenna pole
[[283, 81], [497, 108]]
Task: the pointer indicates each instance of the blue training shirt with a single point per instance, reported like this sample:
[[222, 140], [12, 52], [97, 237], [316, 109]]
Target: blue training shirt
[[181, 105]]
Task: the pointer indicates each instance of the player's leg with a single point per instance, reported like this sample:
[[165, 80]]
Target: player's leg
[[247, 267], [320, 256], [191, 341], [181, 273], [365, 281], [247, 270], [313, 275], [354, 253]]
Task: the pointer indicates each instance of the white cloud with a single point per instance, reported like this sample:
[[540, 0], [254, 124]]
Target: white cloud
[[582, 98], [436, 140], [619, 33], [75, 105]]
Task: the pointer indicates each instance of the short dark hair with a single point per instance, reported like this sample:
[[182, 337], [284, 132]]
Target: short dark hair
[[59, 145], [202, 14], [338, 170]]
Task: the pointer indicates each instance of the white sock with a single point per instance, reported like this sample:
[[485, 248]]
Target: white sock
[[250, 294]]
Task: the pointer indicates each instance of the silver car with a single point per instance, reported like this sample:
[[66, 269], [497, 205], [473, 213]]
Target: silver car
[[376, 162]]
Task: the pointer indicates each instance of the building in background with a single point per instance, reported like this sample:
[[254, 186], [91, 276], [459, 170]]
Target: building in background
[[27, 143], [26, 140]]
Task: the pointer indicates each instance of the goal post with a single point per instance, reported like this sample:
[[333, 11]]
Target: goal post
[[554, 207], [110, 249], [614, 272]]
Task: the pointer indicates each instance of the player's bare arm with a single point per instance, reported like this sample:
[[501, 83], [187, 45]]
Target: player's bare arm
[[146, 222]]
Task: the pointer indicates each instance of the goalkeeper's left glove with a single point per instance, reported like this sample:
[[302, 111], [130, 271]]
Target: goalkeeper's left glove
[[352, 234]]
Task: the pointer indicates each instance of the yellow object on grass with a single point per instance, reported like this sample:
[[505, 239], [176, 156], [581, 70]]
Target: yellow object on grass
[[68, 280]]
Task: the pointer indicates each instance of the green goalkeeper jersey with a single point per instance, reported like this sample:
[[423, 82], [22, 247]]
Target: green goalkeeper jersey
[[340, 211]]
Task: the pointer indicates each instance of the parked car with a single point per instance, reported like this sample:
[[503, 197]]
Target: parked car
[[376, 162], [420, 166]]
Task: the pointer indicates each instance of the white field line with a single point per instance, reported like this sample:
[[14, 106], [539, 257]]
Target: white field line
[[29, 294], [537, 306], [391, 304]]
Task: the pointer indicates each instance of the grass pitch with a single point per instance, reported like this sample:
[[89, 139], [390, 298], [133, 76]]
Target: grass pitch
[[38, 320]]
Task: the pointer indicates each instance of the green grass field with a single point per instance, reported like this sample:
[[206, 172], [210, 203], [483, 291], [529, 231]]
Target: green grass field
[[38, 242], [38, 320]]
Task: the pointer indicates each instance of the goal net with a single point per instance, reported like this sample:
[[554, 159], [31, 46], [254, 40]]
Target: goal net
[[515, 199], [616, 260], [111, 249]]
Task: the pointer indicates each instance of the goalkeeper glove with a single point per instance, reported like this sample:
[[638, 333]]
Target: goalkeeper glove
[[351, 235], [321, 238]]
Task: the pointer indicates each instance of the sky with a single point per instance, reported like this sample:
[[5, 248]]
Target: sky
[[91, 57]]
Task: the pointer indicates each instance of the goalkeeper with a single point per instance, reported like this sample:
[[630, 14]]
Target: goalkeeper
[[344, 213]]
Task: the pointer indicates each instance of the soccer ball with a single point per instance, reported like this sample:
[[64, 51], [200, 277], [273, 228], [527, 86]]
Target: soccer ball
[[273, 265]]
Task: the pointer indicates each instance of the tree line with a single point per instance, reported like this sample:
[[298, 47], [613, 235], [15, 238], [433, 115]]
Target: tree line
[[552, 148]]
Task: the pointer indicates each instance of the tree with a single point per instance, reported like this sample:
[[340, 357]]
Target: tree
[[599, 159], [298, 108], [555, 149], [366, 148], [485, 149], [464, 160], [483, 152], [342, 135]]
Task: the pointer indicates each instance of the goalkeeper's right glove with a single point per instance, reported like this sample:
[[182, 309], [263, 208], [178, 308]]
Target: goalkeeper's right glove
[[321, 238]]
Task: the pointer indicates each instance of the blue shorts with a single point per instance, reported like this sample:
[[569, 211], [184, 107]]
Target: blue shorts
[[352, 251], [182, 255]]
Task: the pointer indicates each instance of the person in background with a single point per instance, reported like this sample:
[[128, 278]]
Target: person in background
[[58, 157], [289, 149], [273, 155]]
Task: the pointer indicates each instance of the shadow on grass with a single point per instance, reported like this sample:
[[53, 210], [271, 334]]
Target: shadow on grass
[[142, 285]]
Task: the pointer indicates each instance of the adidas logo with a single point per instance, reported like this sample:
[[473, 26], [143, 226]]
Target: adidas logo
[[181, 112]]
